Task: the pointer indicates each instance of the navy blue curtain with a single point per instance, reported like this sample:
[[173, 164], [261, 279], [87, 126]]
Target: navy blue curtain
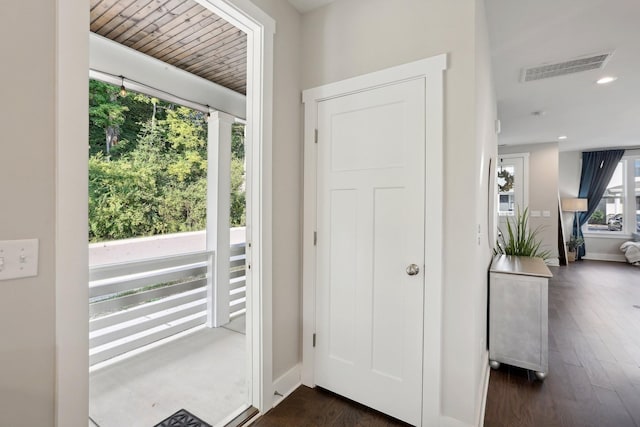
[[597, 170]]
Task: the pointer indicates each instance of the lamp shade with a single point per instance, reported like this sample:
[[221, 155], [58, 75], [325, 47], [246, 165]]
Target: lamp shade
[[574, 205]]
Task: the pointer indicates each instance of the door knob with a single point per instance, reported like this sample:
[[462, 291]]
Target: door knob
[[413, 269]]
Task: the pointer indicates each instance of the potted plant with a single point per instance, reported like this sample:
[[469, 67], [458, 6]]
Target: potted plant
[[572, 246], [520, 240]]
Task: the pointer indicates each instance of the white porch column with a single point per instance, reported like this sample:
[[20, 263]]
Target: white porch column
[[218, 205]]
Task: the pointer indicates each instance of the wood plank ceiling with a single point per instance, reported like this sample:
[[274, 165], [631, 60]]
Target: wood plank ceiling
[[179, 32]]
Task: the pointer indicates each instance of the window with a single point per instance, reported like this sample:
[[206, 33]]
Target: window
[[618, 212], [609, 214], [506, 191], [511, 178]]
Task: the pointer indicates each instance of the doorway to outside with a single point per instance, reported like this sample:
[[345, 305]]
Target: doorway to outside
[[198, 268], [512, 175], [153, 262], [72, 53]]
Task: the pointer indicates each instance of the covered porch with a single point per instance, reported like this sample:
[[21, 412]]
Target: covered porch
[[153, 346], [201, 370]]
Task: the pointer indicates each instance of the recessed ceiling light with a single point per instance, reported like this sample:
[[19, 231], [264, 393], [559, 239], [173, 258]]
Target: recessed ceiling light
[[605, 80], [562, 137]]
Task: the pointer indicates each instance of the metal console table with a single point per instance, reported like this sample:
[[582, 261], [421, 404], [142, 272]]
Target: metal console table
[[518, 313]]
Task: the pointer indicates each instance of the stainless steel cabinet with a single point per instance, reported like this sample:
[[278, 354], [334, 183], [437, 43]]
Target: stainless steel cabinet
[[518, 313]]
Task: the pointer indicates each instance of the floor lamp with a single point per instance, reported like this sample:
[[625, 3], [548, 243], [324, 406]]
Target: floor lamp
[[574, 205]]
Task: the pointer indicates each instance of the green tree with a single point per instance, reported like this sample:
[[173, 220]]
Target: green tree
[[237, 141], [186, 136], [237, 215], [105, 112], [597, 217], [155, 180], [121, 200], [133, 111]]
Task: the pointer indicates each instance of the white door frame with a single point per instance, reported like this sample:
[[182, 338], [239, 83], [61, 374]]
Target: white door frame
[[71, 250], [525, 174], [431, 70]]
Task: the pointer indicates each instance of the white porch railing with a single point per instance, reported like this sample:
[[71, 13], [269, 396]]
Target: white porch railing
[[134, 304]]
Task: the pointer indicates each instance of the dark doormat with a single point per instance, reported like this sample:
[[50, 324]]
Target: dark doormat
[[183, 418]]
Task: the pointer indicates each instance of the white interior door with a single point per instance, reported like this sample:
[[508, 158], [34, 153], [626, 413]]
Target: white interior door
[[371, 216]]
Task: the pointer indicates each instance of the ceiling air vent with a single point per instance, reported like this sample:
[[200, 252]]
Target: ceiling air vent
[[566, 67]]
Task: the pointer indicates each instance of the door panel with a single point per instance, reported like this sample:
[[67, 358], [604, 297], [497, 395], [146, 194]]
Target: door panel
[[371, 207], [343, 275], [387, 262], [356, 129]]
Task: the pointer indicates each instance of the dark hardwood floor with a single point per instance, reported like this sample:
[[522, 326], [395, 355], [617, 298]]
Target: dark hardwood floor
[[594, 364], [316, 407], [594, 355]]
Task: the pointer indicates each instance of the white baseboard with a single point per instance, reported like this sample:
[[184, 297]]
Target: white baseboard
[[555, 262], [286, 384], [452, 422], [604, 257], [484, 389]]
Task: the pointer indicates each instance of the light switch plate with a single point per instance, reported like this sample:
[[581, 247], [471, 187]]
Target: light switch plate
[[535, 214], [18, 258], [546, 214]]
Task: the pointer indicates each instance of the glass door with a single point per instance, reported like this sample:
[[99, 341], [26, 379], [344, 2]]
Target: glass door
[[511, 179]]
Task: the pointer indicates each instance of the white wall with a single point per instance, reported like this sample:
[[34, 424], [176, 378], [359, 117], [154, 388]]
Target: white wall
[[543, 189], [27, 183], [341, 40], [569, 164], [487, 141], [287, 185], [28, 320], [352, 37]]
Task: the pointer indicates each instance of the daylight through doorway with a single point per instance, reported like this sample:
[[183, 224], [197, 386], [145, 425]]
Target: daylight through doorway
[[150, 266], [167, 330]]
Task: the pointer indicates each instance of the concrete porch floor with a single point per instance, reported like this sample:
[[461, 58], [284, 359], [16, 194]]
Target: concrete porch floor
[[203, 372]]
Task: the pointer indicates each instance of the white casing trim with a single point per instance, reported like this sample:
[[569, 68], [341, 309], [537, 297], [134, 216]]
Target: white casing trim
[[484, 389], [260, 29], [554, 262], [604, 257], [452, 422]]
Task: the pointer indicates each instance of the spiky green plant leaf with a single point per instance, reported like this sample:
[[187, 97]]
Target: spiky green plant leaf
[[519, 239]]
